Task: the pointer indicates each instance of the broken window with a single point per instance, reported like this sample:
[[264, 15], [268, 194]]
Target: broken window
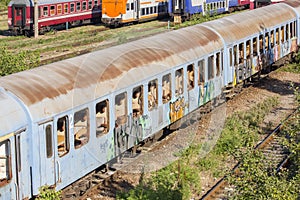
[[218, 62], [121, 108], [179, 82], [102, 118], [166, 87], [63, 144], [190, 76], [152, 94], [81, 127], [137, 101]]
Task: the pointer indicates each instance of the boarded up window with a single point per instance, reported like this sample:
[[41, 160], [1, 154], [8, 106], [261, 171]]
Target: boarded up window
[[81, 127], [190, 77]]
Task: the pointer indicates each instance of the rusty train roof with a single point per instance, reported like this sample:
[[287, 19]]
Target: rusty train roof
[[60, 86], [293, 3], [236, 27]]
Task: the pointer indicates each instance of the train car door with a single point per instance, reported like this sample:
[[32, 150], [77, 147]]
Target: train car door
[[47, 155], [19, 13], [136, 9]]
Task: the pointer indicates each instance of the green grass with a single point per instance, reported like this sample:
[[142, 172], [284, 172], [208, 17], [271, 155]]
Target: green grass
[[181, 179]]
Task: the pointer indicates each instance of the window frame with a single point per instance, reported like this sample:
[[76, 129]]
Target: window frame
[[151, 95], [121, 119], [66, 134], [83, 138], [7, 160], [105, 114]]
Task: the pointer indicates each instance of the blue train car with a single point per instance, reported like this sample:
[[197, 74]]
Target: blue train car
[[184, 9]]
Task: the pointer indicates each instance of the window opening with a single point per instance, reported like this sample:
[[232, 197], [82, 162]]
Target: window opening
[[152, 94], [102, 118], [166, 86], [72, 7], [59, 9], [178, 82], [235, 55], [52, 10], [81, 127], [191, 76], [78, 6], [218, 60], [137, 101], [254, 43], [66, 8], [63, 144], [282, 34], [121, 108], [84, 5], [241, 53], [90, 5], [45, 11]]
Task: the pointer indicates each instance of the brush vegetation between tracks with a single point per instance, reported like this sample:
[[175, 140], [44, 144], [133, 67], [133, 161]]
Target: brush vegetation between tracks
[[255, 181], [180, 180]]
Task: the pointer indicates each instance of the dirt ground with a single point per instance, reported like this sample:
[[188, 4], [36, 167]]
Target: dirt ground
[[276, 84]]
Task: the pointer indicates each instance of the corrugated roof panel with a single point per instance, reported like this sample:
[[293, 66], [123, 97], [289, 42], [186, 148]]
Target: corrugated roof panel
[[241, 25], [293, 3], [62, 85]]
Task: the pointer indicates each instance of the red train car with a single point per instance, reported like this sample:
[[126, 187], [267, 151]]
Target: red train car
[[51, 13]]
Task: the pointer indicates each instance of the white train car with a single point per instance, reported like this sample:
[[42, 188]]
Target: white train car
[[63, 120]]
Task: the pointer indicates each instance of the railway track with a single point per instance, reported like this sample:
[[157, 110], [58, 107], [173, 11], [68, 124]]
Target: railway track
[[276, 155]]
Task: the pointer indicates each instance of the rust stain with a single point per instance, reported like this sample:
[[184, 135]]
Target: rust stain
[[61, 77]]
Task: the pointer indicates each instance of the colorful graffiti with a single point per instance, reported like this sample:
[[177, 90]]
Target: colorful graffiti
[[132, 132], [177, 109], [206, 92]]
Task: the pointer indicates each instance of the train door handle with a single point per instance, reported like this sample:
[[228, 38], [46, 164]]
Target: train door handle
[[58, 171]]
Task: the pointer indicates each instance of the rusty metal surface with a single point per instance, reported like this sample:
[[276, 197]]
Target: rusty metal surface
[[236, 27], [12, 116], [59, 86], [293, 3]]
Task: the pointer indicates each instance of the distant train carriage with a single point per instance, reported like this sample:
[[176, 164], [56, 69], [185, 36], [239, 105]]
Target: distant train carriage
[[51, 13], [120, 12], [183, 9]]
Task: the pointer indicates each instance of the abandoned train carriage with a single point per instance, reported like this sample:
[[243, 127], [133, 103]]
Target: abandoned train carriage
[[51, 13], [65, 119]]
